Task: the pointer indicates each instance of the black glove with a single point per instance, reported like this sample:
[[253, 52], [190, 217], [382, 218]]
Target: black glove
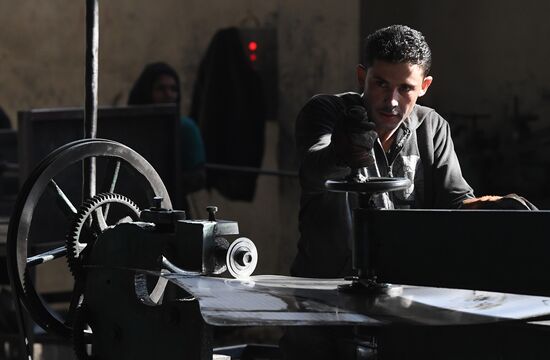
[[354, 137]]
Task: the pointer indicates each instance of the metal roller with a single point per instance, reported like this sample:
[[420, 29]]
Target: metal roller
[[241, 258]]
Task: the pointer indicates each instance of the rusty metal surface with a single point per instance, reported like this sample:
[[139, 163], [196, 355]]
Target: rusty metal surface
[[286, 301]]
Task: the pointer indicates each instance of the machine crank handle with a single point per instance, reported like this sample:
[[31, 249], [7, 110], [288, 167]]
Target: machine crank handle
[[167, 265]]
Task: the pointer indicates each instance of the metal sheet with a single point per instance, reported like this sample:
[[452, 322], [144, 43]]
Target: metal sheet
[[287, 301]]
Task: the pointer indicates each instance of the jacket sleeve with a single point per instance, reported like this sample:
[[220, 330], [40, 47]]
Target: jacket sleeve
[[314, 127], [449, 185]]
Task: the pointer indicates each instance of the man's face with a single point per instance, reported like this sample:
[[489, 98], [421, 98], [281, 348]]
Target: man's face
[[391, 91], [165, 90]]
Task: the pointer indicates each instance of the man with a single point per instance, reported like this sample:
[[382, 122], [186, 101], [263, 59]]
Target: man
[[336, 133], [409, 140]]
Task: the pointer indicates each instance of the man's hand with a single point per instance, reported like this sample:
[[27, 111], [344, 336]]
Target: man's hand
[[490, 202], [354, 137]]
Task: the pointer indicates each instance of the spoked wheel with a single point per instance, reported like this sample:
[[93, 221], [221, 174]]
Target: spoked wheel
[[45, 201]]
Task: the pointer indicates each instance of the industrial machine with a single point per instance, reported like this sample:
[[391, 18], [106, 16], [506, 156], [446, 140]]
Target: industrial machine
[[146, 240], [147, 284]]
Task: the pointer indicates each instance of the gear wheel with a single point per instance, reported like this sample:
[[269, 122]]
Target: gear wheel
[[78, 239]]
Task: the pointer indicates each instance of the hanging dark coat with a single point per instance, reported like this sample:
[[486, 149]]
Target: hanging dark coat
[[229, 105]]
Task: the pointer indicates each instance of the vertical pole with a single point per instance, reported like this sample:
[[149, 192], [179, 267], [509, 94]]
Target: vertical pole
[[90, 112]]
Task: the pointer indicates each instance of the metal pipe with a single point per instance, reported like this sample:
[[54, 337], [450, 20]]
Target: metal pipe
[[249, 169], [47, 256], [90, 111]]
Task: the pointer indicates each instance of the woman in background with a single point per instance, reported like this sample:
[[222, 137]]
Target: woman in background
[[159, 83]]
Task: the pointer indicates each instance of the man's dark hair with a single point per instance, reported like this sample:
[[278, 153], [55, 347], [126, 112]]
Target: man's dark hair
[[398, 44], [141, 93]]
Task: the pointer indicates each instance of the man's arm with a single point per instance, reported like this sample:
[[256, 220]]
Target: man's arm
[[450, 187], [314, 127]]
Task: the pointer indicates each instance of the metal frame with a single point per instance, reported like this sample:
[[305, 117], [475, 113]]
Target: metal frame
[[502, 251]]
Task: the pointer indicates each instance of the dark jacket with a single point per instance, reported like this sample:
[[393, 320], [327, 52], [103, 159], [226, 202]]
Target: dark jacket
[[228, 103], [423, 151]]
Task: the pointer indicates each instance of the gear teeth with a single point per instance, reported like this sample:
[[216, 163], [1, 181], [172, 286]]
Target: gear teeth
[[86, 210]]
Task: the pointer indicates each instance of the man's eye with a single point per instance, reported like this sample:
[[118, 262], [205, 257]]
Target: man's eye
[[382, 84], [406, 88]]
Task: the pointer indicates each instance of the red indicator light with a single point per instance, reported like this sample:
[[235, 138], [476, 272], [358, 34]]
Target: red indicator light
[[253, 57], [252, 46]]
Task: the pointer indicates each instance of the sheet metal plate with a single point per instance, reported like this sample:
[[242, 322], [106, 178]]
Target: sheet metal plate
[[287, 301]]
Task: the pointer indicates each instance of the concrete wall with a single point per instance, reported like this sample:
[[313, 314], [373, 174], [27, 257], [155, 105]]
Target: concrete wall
[[42, 54]]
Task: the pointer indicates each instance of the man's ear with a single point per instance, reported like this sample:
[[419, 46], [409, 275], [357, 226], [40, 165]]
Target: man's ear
[[361, 75], [425, 85]]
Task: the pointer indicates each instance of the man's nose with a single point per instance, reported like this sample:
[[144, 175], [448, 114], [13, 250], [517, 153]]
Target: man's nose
[[392, 97]]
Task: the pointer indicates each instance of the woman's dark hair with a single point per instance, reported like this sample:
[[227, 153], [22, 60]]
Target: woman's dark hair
[[143, 88], [398, 44]]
